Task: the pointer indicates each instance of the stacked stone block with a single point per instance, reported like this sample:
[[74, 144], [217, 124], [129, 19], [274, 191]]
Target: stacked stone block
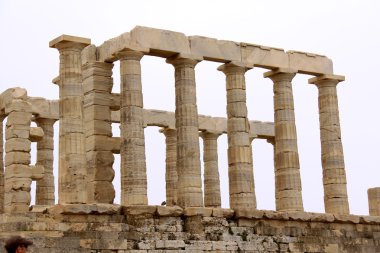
[[97, 87], [72, 176], [171, 176], [240, 166], [132, 146], [189, 193], [334, 173], [287, 168], [212, 197], [18, 172]]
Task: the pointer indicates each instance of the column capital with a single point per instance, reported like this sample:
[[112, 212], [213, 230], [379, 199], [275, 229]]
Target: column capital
[[327, 79], [67, 41], [233, 68], [281, 74], [184, 59], [39, 120], [271, 140], [129, 55], [210, 134]]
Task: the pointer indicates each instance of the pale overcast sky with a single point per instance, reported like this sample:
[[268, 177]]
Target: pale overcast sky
[[346, 31]]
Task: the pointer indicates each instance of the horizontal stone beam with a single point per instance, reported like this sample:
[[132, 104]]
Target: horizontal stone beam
[[258, 129], [49, 109], [163, 43]]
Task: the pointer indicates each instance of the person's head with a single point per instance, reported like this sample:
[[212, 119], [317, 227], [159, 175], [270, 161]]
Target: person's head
[[17, 244]]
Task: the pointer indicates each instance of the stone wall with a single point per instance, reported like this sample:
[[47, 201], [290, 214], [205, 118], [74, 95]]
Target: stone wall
[[142, 229]]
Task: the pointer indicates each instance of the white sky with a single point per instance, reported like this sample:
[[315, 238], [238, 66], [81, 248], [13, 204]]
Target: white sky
[[345, 31]]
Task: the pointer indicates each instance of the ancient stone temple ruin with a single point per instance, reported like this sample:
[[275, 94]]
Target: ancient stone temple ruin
[[84, 218]]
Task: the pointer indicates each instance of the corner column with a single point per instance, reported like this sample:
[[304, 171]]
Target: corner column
[[72, 182], [132, 149], [211, 171], [45, 157], [186, 114], [1, 164], [171, 176], [334, 174], [240, 167], [287, 168]]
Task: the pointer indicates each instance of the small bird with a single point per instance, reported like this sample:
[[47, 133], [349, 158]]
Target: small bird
[[163, 203]]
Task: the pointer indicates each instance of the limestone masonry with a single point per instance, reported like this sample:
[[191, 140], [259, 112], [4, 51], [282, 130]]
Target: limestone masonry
[[84, 218]]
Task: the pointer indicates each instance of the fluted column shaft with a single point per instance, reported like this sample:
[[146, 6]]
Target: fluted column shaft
[[45, 157], [189, 185], [287, 168], [171, 166], [334, 174], [1, 165], [240, 167], [97, 85], [211, 170], [132, 149], [72, 186]]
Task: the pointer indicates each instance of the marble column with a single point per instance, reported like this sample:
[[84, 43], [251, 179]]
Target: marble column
[[72, 182], [211, 170], [334, 174], [287, 167], [1, 165], [240, 166], [189, 185], [374, 201], [132, 149], [97, 87], [171, 176], [45, 157]]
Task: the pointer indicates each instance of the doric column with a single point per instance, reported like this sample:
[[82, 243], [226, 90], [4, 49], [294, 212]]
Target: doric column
[[240, 167], [1, 165], [334, 174], [97, 87], [189, 185], [374, 201], [72, 186], [171, 165], [45, 150], [211, 170], [132, 149], [287, 168]]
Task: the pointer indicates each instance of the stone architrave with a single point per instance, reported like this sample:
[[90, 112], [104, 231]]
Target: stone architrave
[[189, 185], [1, 165], [97, 85], [132, 149], [72, 181], [334, 173], [171, 176], [287, 169], [45, 153], [240, 167], [212, 196]]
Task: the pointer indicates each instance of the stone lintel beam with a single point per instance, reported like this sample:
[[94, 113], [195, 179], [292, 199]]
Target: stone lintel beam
[[166, 44], [64, 41]]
